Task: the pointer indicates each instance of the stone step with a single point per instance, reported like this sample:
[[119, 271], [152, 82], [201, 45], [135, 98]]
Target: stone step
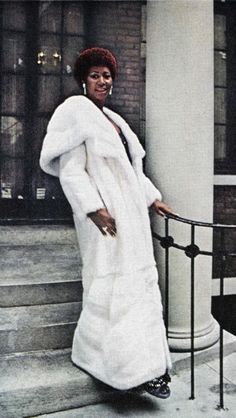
[[29, 328], [44, 382], [49, 292], [37, 234], [39, 274]]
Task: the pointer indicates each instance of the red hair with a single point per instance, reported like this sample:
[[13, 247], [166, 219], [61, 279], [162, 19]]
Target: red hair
[[94, 57]]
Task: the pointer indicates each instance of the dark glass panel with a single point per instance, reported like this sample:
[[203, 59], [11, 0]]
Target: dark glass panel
[[53, 209], [220, 31], [71, 48], [14, 16], [74, 18], [220, 105], [48, 93], [38, 132], [12, 178], [50, 16], [220, 68], [39, 128], [49, 54], [40, 189], [70, 86], [220, 142], [13, 53], [43, 185], [13, 94], [12, 137]]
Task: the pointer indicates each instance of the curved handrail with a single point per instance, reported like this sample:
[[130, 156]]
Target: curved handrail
[[192, 251], [198, 223]]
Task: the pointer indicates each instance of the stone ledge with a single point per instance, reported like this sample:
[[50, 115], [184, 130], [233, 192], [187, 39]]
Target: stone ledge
[[40, 327], [37, 234], [39, 274], [181, 361], [35, 262], [36, 383], [40, 293]]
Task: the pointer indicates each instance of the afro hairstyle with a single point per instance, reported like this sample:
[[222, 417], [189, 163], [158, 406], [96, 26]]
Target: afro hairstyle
[[94, 57]]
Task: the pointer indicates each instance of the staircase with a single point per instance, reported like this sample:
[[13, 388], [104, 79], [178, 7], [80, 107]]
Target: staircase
[[40, 303]]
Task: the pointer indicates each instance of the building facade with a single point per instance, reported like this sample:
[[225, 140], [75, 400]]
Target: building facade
[[39, 43]]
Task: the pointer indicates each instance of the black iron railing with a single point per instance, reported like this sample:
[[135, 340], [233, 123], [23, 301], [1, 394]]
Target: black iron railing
[[192, 251]]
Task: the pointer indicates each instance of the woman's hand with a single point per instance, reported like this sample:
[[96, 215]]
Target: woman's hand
[[162, 208], [104, 221]]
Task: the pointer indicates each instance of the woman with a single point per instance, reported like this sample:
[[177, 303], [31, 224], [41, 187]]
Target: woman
[[120, 338]]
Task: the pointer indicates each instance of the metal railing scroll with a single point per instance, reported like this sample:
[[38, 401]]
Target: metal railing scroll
[[192, 251]]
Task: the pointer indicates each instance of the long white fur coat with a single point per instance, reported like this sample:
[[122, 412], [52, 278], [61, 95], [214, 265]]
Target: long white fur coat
[[120, 337]]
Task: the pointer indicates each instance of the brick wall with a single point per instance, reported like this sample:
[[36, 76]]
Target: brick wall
[[117, 25]]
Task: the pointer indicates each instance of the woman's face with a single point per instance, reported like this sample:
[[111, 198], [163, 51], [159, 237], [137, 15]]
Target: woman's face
[[98, 84]]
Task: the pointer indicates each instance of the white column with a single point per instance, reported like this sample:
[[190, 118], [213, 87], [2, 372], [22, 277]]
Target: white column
[[179, 145]]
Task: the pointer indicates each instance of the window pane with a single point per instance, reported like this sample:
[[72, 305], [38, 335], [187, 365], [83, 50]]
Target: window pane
[[12, 137], [220, 31], [39, 129], [49, 93], [74, 18], [43, 185], [13, 51], [49, 54], [39, 178], [220, 142], [50, 16], [220, 68], [13, 94], [14, 16], [12, 178], [70, 86], [220, 105], [71, 48]]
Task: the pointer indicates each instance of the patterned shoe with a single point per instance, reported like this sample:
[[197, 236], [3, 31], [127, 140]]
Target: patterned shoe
[[159, 386]]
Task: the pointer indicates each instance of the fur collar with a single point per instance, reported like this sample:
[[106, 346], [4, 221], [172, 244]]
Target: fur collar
[[107, 138], [83, 121]]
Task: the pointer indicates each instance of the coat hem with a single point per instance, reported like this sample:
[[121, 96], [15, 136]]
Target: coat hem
[[138, 381]]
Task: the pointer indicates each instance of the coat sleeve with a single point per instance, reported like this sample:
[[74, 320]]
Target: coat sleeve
[[77, 185], [152, 193]]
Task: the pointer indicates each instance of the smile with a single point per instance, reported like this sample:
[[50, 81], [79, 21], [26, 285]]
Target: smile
[[102, 90]]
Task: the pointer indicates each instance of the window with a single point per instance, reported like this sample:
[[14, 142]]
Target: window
[[225, 87], [39, 44]]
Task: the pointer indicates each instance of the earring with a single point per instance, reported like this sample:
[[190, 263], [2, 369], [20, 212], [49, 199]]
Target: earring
[[110, 92], [84, 87]]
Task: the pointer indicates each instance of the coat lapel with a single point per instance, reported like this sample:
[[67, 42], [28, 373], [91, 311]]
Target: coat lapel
[[104, 140], [135, 148]]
